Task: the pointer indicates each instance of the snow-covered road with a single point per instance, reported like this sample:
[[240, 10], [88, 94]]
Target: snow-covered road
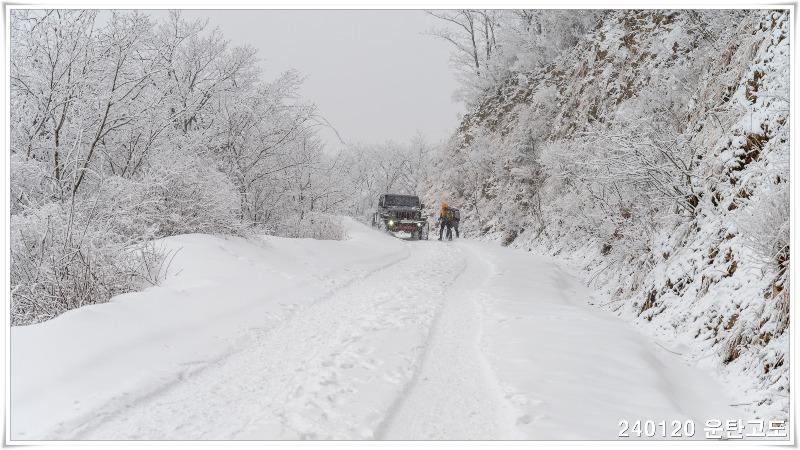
[[369, 338]]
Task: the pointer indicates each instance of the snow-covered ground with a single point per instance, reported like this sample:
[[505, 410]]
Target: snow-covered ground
[[367, 338]]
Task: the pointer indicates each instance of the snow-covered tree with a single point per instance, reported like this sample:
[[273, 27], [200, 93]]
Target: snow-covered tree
[[123, 131]]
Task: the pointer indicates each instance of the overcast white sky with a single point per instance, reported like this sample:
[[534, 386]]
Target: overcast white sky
[[374, 74]]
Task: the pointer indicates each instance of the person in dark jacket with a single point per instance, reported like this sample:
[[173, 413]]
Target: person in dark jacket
[[448, 219], [456, 220]]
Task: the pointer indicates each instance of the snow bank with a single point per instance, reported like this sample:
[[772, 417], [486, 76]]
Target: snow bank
[[93, 358], [572, 371]]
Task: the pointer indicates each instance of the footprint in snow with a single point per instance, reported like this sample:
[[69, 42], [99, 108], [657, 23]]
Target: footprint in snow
[[518, 399], [524, 419], [392, 378]]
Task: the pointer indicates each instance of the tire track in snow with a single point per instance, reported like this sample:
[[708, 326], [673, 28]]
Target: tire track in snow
[[91, 420], [327, 372], [392, 411], [454, 395]]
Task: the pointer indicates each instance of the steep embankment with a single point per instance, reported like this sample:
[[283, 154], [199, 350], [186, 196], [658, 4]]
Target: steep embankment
[[706, 276]]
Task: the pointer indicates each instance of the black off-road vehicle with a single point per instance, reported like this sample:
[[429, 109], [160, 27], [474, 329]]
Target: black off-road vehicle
[[401, 214]]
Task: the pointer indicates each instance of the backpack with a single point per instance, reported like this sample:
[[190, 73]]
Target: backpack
[[450, 214]]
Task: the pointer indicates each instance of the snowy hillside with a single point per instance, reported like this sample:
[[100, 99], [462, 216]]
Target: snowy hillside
[[654, 154], [371, 337]]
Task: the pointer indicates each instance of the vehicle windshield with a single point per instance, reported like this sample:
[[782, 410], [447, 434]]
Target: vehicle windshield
[[402, 200]]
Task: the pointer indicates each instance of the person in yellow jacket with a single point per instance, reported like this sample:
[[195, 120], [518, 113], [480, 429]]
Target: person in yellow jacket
[[442, 221]]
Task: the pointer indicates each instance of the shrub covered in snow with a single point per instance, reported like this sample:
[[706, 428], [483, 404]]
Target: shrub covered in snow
[[67, 255], [765, 227], [177, 193], [310, 225]]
